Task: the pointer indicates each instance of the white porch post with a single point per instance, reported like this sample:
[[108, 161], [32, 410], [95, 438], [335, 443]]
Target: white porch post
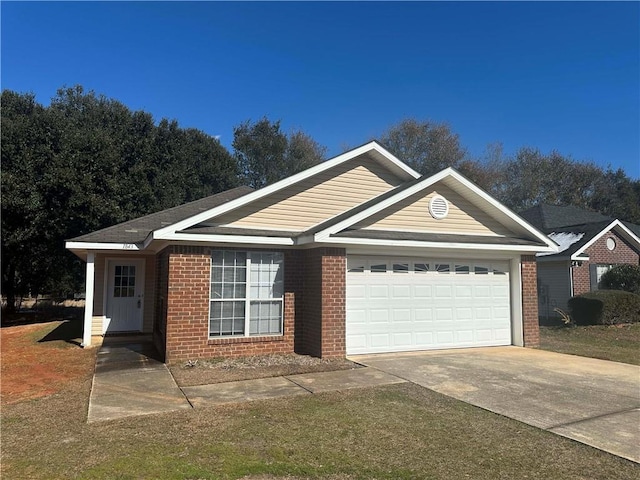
[[88, 295]]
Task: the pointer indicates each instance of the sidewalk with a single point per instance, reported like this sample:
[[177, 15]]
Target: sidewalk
[[130, 381]]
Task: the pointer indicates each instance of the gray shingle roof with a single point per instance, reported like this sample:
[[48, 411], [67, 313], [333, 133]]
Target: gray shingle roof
[[136, 230], [556, 219], [549, 218]]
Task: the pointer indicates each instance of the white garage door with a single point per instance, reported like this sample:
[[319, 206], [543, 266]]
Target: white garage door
[[402, 304]]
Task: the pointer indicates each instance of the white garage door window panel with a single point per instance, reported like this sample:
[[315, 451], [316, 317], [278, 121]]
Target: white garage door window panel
[[407, 308]]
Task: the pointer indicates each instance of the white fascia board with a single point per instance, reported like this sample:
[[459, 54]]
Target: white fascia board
[[511, 215], [102, 246], [435, 245], [199, 237], [269, 189], [615, 224], [427, 182]]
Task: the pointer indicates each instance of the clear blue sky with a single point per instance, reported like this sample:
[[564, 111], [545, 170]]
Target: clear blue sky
[[550, 75]]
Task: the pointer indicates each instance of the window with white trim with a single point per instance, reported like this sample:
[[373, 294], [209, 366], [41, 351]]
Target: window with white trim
[[247, 292], [596, 273]]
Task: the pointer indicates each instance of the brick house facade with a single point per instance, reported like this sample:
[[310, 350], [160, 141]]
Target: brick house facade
[[600, 254], [249, 272]]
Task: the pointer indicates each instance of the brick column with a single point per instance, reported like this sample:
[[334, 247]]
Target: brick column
[[334, 299], [187, 303], [530, 301], [325, 302]]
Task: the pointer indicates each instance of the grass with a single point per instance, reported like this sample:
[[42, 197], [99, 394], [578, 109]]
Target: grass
[[394, 432], [619, 343]]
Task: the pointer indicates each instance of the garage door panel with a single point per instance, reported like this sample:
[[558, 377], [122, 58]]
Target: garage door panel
[[444, 314], [464, 336], [443, 291], [379, 291], [422, 315], [424, 338], [401, 291], [403, 339], [380, 340], [464, 291], [379, 316], [482, 292], [408, 305], [422, 291], [484, 335], [444, 338], [401, 315], [356, 292]]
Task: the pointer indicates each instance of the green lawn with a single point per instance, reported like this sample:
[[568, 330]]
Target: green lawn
[[619, 343]]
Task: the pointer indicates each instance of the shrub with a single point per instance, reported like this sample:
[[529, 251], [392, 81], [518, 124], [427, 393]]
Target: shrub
[[605, 307], [622, 277]]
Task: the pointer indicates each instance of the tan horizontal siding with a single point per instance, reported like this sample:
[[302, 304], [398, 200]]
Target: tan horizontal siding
[[412, 215], [315, 199]]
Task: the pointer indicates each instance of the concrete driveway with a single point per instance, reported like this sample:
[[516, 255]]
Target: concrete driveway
[[592, 401]]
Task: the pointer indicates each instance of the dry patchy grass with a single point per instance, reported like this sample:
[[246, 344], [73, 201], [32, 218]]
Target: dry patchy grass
[[394, 432], [618, 343], [41, 359]]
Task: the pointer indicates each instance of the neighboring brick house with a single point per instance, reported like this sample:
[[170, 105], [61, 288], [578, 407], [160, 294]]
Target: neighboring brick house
[[356, 255], [589, 245]]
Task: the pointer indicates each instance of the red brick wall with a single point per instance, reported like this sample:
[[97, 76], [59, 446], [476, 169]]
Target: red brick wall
[[189, 273], [324, 307], [530, 301], [599, 253]]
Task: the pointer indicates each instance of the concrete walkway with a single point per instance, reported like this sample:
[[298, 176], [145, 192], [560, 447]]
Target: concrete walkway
[[130, 381], [588, 400], [304, 384], [591, 401]]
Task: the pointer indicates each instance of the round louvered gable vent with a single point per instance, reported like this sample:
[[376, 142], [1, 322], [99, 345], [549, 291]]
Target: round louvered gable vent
[[438, 207]]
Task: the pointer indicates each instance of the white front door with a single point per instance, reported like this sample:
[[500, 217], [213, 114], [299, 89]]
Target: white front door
[[125, 292], [397, 304]]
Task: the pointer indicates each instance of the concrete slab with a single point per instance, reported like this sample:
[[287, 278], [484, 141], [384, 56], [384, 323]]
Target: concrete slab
[[344, 379], [128, 383], [586, 399], [242, 391], [616, 433]]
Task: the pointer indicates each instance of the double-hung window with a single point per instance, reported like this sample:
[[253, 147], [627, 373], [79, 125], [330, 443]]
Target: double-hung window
[[247, 291]]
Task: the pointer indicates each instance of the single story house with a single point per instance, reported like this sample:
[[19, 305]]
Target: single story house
[[359, 254], [589, 245]]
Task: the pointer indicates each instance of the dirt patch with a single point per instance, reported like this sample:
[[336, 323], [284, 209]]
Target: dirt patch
[[39, 360], [203, 372]]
